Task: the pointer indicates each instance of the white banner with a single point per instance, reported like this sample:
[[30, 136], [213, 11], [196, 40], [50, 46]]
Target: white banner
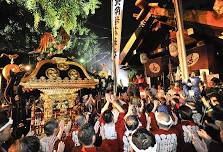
[[117, 13], [116, 20]]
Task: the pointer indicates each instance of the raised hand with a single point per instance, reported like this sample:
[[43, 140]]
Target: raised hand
[[203, 134], [61, 124], [156, 103], [31, 132], [113, 98], [61, 147], [108, 97]]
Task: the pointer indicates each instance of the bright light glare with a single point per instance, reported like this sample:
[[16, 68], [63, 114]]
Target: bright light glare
[[82, 60], [134, 52], [27, 67]]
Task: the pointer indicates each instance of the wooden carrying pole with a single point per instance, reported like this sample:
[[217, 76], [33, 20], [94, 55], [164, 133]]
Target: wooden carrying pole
[[180, 40]]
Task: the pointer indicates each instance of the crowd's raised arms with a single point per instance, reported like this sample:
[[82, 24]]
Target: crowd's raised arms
[[158, 120]]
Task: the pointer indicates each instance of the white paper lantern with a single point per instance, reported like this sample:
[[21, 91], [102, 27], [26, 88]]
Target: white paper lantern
[[173, 49], [143, 58]]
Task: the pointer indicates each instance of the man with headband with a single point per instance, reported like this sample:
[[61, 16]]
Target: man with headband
[[5, 129], [166, 134]]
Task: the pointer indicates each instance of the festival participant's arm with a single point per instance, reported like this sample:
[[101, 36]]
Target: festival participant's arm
[[203, 134], [205, 102], [61, 127], [87, 102], [61, 147], [148, 122], [156, 104], [68, 127], [129, 111], [120, 124], [108, 100], [154, 125], [92, 99], [142, 106], [117, 106]]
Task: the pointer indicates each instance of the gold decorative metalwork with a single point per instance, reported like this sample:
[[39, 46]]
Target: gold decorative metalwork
[[63, 84], [36, 70], [59, 94], [52, 73], [73, 74], [42, 62], [81, 67], [63, 66]]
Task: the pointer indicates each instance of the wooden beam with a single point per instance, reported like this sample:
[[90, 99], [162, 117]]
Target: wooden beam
[[133, 38], [197, 16]]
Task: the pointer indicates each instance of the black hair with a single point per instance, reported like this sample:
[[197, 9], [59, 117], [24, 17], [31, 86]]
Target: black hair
[[213, 94], [108, 90], [216, 81], [85, 134], [30, 144], [148, 88], [107, 116], [143, 139], [149, 107], [136, 93], [185, 112], [50, 126], [132, 122], [3, 118], [176, 100]]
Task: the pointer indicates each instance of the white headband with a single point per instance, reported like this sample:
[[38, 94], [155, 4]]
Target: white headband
[[170, 122], [150, 149], [10, 122]]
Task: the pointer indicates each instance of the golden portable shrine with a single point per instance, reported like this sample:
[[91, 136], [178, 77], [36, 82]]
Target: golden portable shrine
[[58, 80]]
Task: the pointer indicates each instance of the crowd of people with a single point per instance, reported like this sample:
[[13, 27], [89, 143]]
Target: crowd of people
[[186, 117]]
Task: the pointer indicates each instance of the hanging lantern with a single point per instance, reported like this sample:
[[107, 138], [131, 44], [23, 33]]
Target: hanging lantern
[[173, 49], [6, 70], [143, 58], [173, 45]]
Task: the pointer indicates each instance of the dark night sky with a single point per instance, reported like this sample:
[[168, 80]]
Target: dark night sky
[[100, 22]]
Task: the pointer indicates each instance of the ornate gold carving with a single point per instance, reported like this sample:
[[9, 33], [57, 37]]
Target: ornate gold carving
[[73, 74], [53, 84], [52, 73], [81, 67], [36, 70], [31, 82], [62, 66], [58, 95]]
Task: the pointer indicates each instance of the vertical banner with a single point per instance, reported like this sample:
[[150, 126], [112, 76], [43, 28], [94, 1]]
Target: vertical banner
[[116, 20]]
